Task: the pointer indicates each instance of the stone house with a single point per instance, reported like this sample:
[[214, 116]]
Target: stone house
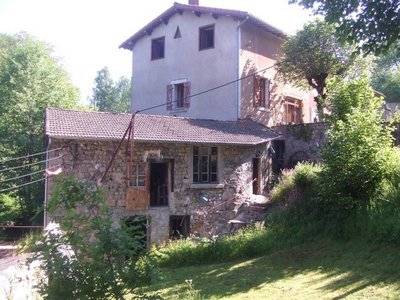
[[187, 176], [189, 49]]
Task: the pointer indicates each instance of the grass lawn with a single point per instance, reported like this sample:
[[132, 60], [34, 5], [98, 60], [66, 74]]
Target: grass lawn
[[325, 269]]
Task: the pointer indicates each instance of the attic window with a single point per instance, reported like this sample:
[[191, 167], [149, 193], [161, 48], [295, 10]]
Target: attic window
[[157, 48], [177, 33], [206, 37]]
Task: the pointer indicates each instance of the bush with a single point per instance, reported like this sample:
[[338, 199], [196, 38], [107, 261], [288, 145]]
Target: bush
[[296, 184], [88, 256], [359, 155]]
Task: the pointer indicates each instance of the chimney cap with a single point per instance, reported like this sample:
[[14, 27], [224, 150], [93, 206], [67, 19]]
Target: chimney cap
[[194, 2]]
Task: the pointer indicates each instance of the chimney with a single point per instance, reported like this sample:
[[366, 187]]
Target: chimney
[[194, 2]]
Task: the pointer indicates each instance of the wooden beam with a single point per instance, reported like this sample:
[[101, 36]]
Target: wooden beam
[[214, 15], [197, 13], [165, 21]]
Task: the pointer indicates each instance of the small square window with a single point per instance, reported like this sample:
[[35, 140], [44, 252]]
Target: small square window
[[206, 37], [138, 176], [157, 48]]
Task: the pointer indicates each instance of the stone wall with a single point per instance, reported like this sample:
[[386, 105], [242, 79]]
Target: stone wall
[[225, 203], [303, 142]]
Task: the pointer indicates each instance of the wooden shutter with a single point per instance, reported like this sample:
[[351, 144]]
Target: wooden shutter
[[256, 92], [186, 94], [268, 102], [170, 89]]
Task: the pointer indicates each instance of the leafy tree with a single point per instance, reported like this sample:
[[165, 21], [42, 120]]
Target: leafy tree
[[359, 153], [109, 95], [321, 56], [372, 25], [31, 79], [386, 74], [88, 256]]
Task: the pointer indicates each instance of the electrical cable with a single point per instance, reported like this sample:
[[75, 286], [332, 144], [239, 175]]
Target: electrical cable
[[31, 155], [32, 164], [230, 82], [18, 186], [33, 173]]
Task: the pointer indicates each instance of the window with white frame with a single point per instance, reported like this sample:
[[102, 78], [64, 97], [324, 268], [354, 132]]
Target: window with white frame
[[138, 175], [205, 164]]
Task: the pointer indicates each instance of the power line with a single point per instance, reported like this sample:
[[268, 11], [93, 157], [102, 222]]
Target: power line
[[26, 156], [33, 173], [230, 82], [21, 185], [32, 164]]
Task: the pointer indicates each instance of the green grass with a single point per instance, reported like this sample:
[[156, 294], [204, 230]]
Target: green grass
[[324, 269]]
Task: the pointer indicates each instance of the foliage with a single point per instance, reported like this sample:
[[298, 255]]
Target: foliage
[[88, 256], [31, 79], [359, 154], [312, 55], [10, 208], [372, 25], [109, 95], [386, 74], [296, 184]]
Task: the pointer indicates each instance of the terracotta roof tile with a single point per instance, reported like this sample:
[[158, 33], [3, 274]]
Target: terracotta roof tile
[[70, 124]]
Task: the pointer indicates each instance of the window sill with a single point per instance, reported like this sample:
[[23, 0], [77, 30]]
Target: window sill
[[263, 109], [207, 185], [179, 110]]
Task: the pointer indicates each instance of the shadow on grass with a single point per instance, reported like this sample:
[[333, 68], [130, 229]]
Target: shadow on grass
[[339, 269]]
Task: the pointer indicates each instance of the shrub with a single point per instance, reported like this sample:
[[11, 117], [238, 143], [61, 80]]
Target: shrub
[[359, 154], [296, 184], [88, 256]]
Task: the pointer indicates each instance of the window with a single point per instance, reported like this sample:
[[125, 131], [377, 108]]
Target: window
[[261, 91], [178, 95], [205, 164], [293, 111], [206, 37], [157, 48], [138, 176]]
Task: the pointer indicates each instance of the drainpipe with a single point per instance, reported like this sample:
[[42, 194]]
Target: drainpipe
[[46, 185], [239, 83]]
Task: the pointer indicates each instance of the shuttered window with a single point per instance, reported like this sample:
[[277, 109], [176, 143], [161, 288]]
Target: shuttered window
[[178, 96], [261, 96]]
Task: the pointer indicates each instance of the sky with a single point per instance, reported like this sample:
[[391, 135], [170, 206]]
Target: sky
[[86, 34]]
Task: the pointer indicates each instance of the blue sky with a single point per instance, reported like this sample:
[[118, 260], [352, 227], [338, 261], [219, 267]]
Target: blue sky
[[85, 34]]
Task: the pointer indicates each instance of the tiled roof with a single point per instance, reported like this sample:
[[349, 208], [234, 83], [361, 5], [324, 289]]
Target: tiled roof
[[179, 8], [70, 124]]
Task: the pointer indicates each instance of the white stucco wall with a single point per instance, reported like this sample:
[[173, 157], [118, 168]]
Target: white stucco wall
[[205, 69]]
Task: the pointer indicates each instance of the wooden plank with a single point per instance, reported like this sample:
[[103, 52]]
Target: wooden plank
[[136, 199]]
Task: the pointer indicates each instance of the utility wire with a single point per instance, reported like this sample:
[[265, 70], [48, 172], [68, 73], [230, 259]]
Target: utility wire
[[33, 173], [21, 185], [35, 154], [231, 82], [35, 163]]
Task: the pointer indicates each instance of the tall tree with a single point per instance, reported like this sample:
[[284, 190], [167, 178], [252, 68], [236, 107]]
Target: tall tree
[[311, 56], [372, 25], [109, 95], [386, 74], [31, 79]]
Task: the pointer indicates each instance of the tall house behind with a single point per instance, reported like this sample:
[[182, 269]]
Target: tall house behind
[[182, 56]]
